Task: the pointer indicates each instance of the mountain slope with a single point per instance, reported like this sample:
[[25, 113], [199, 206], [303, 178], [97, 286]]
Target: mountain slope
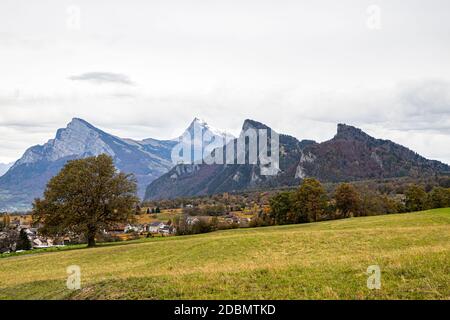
[[4, 167], [350, 155], [353, 155], [27, 178]]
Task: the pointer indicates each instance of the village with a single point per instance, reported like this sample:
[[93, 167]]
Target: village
[[147, 223]]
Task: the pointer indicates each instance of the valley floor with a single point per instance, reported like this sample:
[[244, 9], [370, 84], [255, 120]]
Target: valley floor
[[325, 260]]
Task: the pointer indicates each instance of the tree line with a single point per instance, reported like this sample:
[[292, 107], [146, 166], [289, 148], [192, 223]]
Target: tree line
[[310, 203]]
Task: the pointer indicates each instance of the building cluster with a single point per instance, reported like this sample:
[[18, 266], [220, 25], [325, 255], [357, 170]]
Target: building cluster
[[156, 227], [14, 227], [11, 230]]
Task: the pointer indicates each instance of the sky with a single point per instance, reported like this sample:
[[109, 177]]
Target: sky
[[141, 69]]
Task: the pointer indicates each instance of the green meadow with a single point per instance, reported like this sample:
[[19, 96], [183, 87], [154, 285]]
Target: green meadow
[[324, 260]]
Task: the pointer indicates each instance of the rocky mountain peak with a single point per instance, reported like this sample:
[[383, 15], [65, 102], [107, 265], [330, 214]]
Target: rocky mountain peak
[[202, 126], [252, 124], [79, 121], [348, 132], [77, 138], [76, 126], [197, 123]]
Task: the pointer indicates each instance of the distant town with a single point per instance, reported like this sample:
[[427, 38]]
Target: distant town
[[148, 222]]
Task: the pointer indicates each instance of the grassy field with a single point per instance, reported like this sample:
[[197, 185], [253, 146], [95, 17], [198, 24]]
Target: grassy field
[[326, 260]]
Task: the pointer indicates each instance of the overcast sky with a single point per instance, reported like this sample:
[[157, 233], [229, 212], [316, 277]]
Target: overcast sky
[[142, 69]]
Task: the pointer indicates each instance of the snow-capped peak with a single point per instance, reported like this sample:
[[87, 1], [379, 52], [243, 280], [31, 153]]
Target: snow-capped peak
[[204, 126], [200, 121]]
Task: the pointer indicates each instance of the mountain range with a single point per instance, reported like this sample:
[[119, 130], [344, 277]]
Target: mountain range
[[350, 155]]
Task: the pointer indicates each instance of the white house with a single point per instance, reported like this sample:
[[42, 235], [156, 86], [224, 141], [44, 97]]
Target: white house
[[132, 228], [165, 229], [155, 227]]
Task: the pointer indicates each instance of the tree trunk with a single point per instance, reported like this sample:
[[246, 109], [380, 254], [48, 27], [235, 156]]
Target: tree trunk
[[91, 237], [91, 241]]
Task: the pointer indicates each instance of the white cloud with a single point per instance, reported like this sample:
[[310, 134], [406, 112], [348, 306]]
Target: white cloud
[[103, 77]]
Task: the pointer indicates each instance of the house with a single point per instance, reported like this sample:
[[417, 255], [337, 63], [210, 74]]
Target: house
[[42, 243], [37, 243], [165, 229], [30, 233], [155, 227], [119, 228], [132, 228]]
